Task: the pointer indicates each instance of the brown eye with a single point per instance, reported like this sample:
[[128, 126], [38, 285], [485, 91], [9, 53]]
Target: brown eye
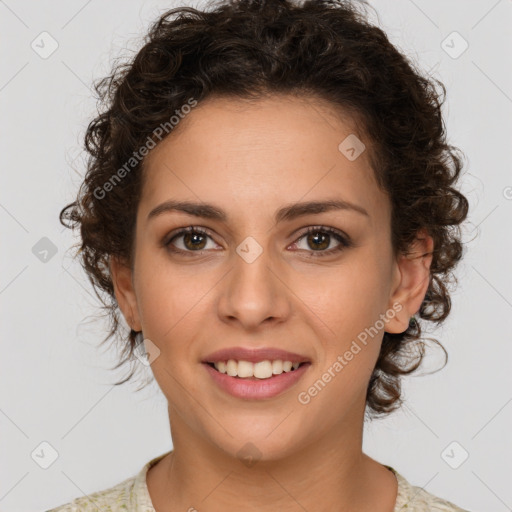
[[193, 240], [319, 238]]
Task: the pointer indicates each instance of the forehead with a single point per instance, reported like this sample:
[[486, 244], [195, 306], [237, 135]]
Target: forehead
[[265, 153]]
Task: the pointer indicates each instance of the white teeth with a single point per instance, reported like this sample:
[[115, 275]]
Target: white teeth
[[260, 370], [231, 368], [277, 367], [245, 369]]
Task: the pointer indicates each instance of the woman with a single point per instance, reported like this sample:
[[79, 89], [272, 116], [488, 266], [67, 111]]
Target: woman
[[270, 204]]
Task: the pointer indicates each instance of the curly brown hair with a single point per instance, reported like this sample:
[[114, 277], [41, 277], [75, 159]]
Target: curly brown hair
[[248, 49]]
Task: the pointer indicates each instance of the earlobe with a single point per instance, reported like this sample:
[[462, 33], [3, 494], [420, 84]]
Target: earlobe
[[122, 281], [411, 282]]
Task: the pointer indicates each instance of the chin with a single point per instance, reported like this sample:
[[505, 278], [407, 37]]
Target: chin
[[256, 438]]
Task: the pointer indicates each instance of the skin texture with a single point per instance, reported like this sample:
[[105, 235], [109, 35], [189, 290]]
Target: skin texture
[[250, 160]]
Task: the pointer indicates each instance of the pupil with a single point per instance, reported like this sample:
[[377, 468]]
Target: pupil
[[194, 237], [315, 236]]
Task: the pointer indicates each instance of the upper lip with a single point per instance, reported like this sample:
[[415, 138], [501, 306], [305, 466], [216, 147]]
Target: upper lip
[[254, 355]]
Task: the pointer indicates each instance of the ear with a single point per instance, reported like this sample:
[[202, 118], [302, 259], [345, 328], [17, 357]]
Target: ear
[[410, 282], [122, 279]]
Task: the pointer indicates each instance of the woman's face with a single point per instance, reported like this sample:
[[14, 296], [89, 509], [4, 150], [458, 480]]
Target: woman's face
[[257, 279]]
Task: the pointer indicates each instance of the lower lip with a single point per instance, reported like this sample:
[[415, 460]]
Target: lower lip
[[254, 388]]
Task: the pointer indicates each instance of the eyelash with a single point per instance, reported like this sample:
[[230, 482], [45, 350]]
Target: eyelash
[[345, 241]]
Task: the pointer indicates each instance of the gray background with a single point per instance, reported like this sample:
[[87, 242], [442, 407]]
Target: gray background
[[56, 385]]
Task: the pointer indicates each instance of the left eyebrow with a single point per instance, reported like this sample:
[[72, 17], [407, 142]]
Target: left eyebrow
[[286, 213], [296, 210]]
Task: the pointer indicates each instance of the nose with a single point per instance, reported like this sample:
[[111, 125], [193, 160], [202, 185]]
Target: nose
[[255, 292]]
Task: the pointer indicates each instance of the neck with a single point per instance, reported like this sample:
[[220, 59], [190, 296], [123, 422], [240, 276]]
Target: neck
[[331, 469]]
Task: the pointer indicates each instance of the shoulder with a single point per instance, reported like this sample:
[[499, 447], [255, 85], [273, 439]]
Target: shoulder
[[412, 498], [129, 495], [113, 499]]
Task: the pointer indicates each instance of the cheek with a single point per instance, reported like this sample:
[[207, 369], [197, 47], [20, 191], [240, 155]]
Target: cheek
[[347, 298], [167, 294], [349, 301], [170, 316]]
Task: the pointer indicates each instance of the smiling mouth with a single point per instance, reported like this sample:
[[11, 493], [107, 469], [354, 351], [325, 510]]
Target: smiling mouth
[[262, 370]]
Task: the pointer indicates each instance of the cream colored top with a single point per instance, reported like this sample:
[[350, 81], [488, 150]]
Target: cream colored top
[[131, 495]]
